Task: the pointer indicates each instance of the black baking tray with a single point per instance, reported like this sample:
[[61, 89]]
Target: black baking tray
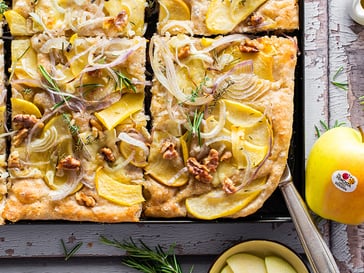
[[274, 209]]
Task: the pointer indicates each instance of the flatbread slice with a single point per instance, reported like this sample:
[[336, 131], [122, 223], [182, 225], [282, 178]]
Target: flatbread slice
[[213, 17], [222, 112], [80, 135], [113, 18]]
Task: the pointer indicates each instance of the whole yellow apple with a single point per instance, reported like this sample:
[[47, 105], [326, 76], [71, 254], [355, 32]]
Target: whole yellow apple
[[335, 176]]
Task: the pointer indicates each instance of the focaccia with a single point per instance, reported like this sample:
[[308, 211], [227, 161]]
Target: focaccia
[[80, 138], [222, 112], [212, 17], [86, 18]]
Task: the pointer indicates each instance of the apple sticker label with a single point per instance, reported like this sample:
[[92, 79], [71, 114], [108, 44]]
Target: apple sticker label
[[344, 181]]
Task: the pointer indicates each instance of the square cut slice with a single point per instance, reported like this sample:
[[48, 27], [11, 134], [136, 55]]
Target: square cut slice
[[113, 18], [203, 17], [80, 138], [222, 112]]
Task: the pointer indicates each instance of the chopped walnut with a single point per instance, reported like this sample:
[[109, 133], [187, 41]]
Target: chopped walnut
[[96, 124], [225, 156], [184, 52], [20, 136], [69, 163], [228, 185], [212, 160], [14, 160], [25, 120], [121, 20], [108, 154], [85, 200], [248, 46], [198, 170], [168, 150], [256, 20]]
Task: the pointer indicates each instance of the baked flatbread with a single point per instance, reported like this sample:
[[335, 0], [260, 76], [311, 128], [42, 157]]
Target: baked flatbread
[[212, 17], [86, 18], [222, 113], [80, 139]]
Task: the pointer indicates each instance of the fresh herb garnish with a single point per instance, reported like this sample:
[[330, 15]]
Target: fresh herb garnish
[[3, 7], [74, 129], [69, 253], [341, 85], [145, 259], [124, 81], [52, 85], [326, 127], [197, 91], [194, 125]]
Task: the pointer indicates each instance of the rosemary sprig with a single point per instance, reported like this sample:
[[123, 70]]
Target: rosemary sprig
[[69, 253], [326, 127], [341, 85], [145, 259], [197, 91], [195, 125], [124, 81], [74, 129], [52, 85], [3, 7]]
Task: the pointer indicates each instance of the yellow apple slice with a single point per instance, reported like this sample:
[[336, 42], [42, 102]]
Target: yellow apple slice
[[20, 106], [242, 115], [116, 191], [224, 15], [138, 154], [24, 60], [17, 23], [276, 264], [119, 111], [217, 203], [227, 269], [170, 172], [244, 152], [173, 10], [246, 263]]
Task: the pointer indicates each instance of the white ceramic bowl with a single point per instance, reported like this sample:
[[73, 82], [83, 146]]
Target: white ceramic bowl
[[261, 248]]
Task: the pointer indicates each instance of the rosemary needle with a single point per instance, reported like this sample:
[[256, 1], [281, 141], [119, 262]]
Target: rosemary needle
[[145, 259], [69, 253]]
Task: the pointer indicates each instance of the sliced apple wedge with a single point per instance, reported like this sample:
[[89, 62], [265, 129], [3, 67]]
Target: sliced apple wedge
[[246, 263], [276, 264]]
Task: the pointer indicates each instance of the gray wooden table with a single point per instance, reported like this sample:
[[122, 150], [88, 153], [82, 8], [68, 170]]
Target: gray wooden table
[[332, 40]]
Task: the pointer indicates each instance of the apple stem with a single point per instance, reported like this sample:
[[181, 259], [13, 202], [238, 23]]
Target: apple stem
[[361, 130]]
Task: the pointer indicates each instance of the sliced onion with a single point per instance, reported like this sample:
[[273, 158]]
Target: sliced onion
[[220, 125], [225, 40], [67, 188], [120, 163], [218, 139], [54, 43], [36, 18], [27, 82], [46, 142], [176, 176], [57, 7], [187, 25], [169, 80], [134, 142]]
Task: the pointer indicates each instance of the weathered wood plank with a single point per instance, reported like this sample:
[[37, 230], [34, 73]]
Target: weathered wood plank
[[38, 240]]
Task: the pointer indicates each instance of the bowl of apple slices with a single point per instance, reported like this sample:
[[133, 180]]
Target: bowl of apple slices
[[259, 256]]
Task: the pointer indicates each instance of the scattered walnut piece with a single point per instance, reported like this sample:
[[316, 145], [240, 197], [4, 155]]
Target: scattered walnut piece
[[168, 150], [248, 46], [228, 185], [20, 136], [107, 154], [184, 52], [25, 120], [212, 160], [198, 170], [256, 20], [85, 200], [96, 124], [69, 163], [121, 20]]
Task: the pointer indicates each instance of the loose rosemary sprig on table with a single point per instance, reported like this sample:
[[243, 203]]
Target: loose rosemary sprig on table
[[341, 85], [326, 127], [69, 253], [145, 259]]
